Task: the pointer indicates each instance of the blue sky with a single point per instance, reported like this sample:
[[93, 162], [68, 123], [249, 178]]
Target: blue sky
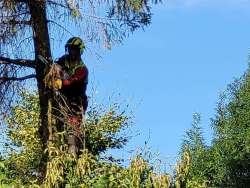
[[178, 66]]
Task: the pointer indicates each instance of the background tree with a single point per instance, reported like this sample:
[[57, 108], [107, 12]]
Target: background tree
[[32, 24], [226, 162], [192, 169], [231, 144]]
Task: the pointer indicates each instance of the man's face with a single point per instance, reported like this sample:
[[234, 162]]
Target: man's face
[[74, 53]]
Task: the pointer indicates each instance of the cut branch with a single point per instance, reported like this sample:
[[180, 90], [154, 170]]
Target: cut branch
[[20, 62], [5, 79]]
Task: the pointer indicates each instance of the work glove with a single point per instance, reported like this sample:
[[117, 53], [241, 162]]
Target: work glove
[[57, 84]]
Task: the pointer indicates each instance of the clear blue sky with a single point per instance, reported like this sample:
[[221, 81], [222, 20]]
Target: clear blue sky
[[177, 66]]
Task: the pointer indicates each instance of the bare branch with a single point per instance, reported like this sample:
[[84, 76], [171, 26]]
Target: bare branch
[[16, 22], [15, 15], [20, 62], [59, 25], [57, 4], [5, 79]]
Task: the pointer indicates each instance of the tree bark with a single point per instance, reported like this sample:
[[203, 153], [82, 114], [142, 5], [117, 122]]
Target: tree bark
[[42, 47]]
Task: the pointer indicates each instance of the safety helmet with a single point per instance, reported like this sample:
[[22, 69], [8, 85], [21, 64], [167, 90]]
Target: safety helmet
[[75, 42]]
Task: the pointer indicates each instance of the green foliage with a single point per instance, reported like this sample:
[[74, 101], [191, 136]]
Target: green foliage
[[102, 130], [25, 149], [194, 139], [226, 163], [191, 170], [20, 168], [231, 145], [88, 171]]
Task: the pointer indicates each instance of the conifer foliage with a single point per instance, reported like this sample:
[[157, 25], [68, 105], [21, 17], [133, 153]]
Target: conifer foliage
[[226, 162]]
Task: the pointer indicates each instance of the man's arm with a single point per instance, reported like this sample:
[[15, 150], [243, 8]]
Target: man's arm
[[60, 61], [80, 76]]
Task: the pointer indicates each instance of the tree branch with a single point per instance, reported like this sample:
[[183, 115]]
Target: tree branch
[[16, 22], [5, 79], [20, 62], [63, 28], [57, 4], [15, 15]]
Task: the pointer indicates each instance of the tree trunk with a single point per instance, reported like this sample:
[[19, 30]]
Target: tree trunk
[[42, 47]]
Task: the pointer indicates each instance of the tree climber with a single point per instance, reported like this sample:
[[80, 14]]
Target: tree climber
[[73, 88]]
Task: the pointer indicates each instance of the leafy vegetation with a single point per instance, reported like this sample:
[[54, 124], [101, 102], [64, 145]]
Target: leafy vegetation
[[225, 163], [103, 131]]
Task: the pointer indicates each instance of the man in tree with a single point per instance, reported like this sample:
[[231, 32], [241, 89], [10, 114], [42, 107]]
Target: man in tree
[[73, 88], [22, 21]]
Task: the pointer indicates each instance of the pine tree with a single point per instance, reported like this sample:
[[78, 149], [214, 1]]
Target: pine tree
[[226, 162], [191, 170], [231, 145]]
